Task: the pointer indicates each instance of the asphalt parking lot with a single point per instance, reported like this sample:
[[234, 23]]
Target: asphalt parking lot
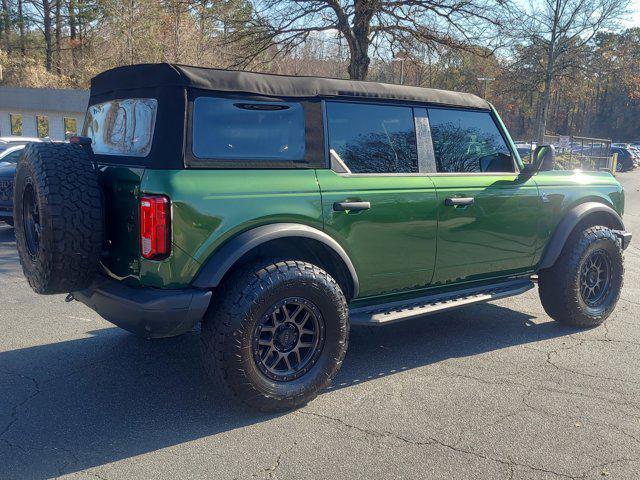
[[489, 392]]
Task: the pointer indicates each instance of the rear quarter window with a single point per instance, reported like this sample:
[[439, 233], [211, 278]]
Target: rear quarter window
[[231, 129], [122, 127]]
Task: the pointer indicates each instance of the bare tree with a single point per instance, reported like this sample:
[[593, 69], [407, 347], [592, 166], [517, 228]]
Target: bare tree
[[46, 26], [71, 8], [5, 24], [560, 29], [58, 33], [21, 28], [370, 26]]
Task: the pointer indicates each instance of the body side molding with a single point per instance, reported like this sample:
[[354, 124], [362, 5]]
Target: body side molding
[[225, 257], [574, 216]]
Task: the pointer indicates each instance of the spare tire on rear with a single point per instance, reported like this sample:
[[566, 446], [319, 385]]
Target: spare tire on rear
[[57, 208]]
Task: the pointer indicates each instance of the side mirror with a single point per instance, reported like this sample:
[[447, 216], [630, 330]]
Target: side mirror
[[543, 159]]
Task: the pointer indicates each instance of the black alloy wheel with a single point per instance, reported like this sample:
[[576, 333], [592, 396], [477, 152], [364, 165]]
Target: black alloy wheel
[[595, 278], [289, 339]]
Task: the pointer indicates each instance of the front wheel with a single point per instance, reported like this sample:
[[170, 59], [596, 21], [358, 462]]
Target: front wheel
[[582, 288], [277, 334]]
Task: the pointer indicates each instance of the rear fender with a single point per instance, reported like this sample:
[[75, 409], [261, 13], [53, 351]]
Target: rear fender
[[231, 252]]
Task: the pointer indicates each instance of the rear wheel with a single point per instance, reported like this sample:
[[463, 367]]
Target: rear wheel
[[582, 288], [278, 334]]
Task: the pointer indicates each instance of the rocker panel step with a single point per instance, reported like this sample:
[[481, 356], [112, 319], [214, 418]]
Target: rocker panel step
[[391, 312]]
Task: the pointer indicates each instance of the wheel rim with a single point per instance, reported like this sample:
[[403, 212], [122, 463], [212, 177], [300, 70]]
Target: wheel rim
[[595, 278], [31, 220], [289, 339]]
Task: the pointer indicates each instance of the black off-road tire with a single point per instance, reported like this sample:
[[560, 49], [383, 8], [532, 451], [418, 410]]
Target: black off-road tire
[[560, 285], [63, 183], [242, 302]]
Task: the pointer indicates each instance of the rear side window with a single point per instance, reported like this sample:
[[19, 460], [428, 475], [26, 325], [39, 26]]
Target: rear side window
[[372, 138], [121, 127], [467, 141], [229, 129]]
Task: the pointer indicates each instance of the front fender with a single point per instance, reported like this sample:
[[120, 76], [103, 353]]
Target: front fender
[[568, 223]]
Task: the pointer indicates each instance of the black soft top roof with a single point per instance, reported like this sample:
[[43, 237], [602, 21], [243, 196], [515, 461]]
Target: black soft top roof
[[170, 75]]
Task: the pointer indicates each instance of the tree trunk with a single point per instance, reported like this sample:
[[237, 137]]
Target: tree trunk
[[23, 46], [130, 46], [543, 109], [58, 37], [176, 31], [359, 40], [72, 31], [46, 8], [358, 66], [5, 22]]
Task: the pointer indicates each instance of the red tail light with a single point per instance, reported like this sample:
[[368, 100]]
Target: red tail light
[[155, 226]]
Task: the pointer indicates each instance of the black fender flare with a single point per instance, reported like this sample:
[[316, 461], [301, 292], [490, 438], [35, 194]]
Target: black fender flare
[[572, 218], [221, 261]]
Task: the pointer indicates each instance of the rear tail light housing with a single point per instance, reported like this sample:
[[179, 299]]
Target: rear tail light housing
[[155, 226]]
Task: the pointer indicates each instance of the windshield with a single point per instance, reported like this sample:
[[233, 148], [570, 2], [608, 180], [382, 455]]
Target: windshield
[[122, 127]]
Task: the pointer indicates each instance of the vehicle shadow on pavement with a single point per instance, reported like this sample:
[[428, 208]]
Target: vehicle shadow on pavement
[[73, 405]]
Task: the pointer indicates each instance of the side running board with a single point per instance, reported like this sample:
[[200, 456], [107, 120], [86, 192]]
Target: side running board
[[391, 312]]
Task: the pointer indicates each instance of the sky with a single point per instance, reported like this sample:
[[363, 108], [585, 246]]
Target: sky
[[634, 19]]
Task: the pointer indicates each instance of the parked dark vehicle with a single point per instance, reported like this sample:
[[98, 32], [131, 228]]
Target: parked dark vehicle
[[8, 160], [625, 159], [278, 211]]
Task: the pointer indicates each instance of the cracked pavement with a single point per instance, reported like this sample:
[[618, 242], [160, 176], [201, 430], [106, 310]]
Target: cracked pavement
[[495, 391]]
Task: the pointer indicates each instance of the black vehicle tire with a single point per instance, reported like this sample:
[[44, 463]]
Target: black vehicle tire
[[57, 209], [248, 302], [582, 288], [9, 221]]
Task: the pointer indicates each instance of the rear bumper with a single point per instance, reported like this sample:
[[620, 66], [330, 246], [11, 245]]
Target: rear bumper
[[147, 312]]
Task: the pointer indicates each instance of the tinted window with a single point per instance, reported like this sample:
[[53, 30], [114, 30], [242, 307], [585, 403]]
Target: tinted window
[[119, 127], [373, 138], [230, 129], [12, 157], [468, 141]]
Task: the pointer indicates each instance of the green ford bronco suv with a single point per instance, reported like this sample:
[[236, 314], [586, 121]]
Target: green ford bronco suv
[[277, 211]]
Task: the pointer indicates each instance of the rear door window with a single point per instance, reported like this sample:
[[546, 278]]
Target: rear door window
[[372, 138], [467, 141], [230, 129], [121, 127]]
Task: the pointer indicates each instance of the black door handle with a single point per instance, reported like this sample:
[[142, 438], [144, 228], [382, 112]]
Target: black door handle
[[458, 201], [351, 206]]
